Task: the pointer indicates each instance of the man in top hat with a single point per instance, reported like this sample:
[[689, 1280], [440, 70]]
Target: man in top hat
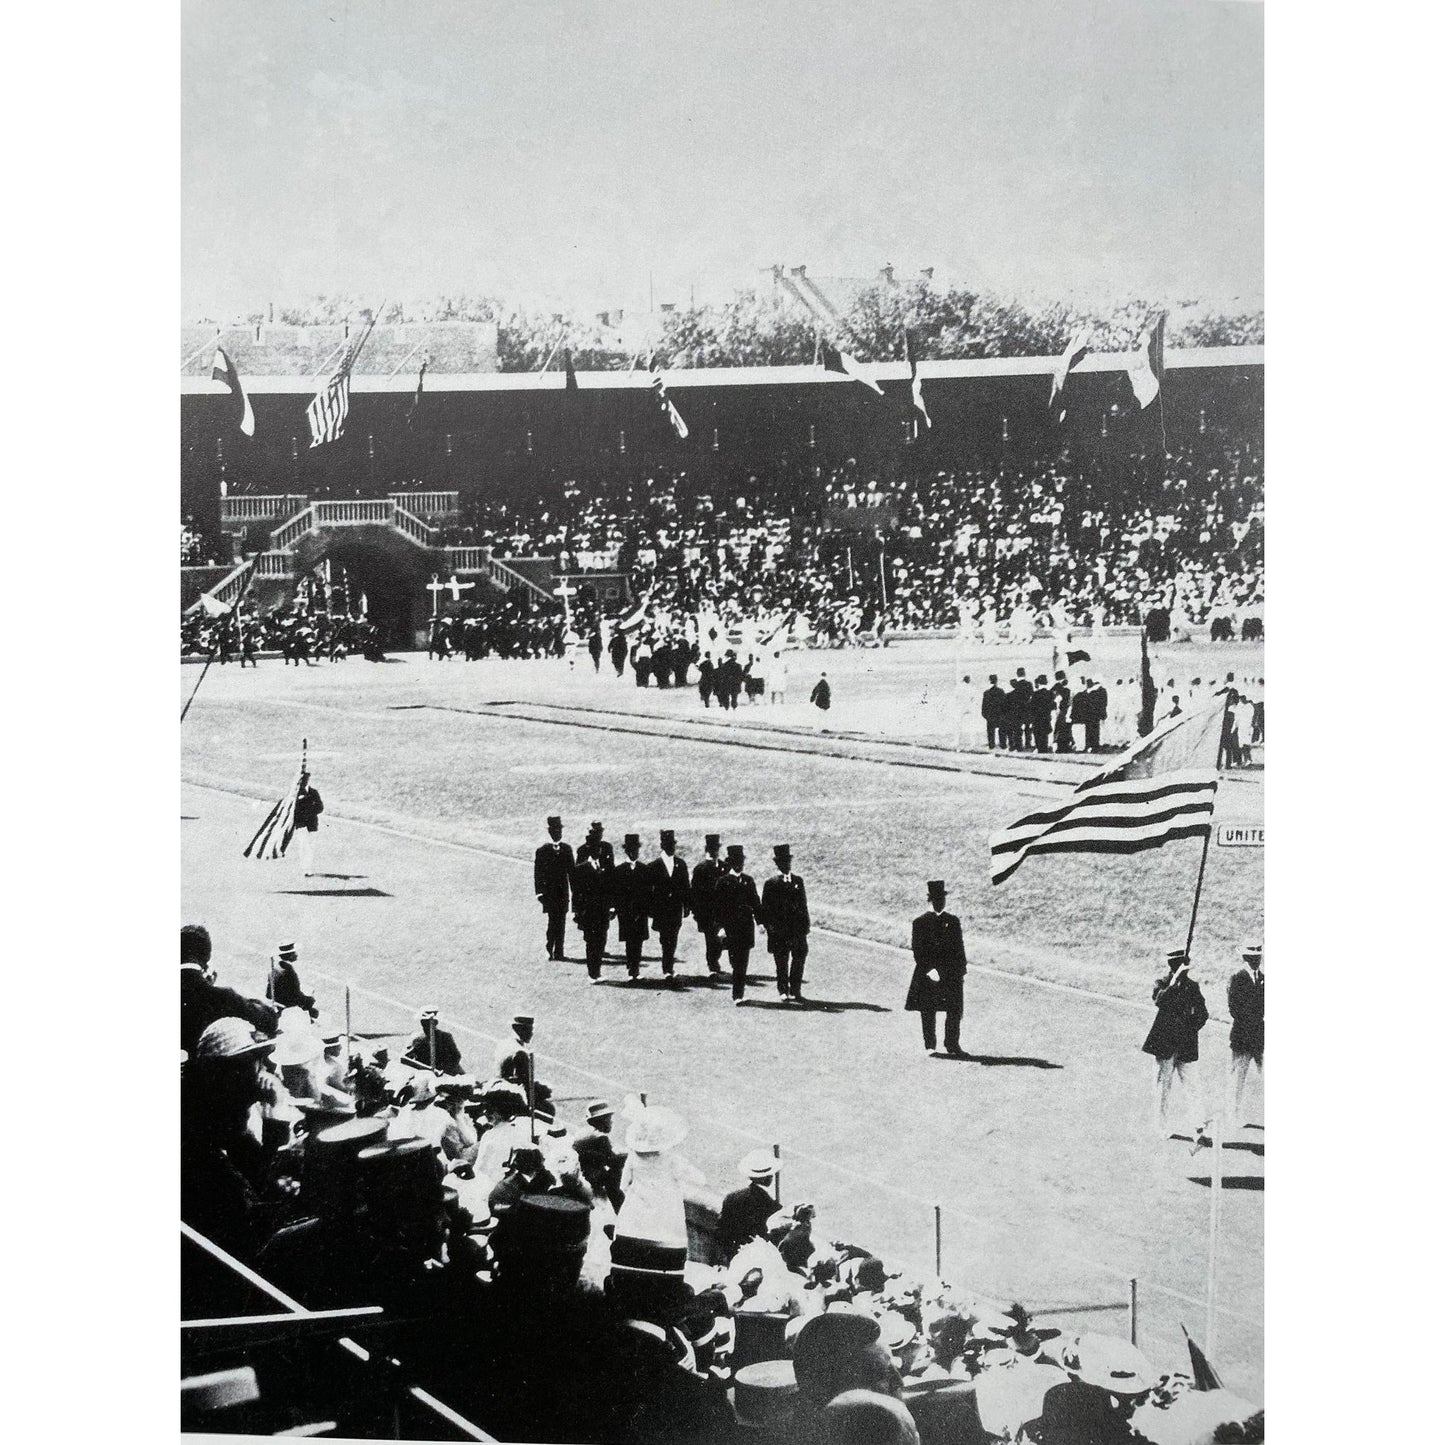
[[785, 916], [592, 908], [283, 983], [307, 819], [596, 846], [939, 966], [702, 895], [434, 1047], [746, 1211], [670, 892], [1063, 729], [551, 877], [525, 1174], [1041, 713], [738, 909], [1246, 1029], [1174, 1038], [631, 885], [598, 1156], [993, 709]]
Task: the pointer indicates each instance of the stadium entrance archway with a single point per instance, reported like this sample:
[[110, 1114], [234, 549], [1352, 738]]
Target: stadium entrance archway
[[390, 572]]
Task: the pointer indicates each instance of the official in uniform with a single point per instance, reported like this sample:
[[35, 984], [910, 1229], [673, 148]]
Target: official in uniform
[[670, 891], [592, 910], [283, 983], [703, 898], [630, 887], [551, 881], [746, 1211], [1174, 1038], [514, 1061], [785, 916], [306, 820], [939, 966], [1246, 1029], [738, 909], [434, 1046]]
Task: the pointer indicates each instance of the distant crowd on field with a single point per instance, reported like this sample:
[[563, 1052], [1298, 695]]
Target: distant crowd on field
[[572, 1278], [1063, 540], [517, 625], [305, 635]]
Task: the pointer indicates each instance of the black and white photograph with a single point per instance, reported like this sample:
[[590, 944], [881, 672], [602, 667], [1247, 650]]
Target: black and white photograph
[[722, 721]]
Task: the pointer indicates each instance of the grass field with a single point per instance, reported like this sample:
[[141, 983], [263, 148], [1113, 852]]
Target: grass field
[[437, 777]]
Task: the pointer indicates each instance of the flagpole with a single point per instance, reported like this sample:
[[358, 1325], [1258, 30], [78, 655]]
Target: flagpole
[[406, 358], [1204, 852], [213, 343], [221, 632], [1216, 1195]]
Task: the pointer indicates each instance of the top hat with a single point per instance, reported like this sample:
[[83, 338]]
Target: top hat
[[595, 826], [554, 821], [735, 851], [782, 850], [667, 836], [631, 840], [712, 840], [522, 1020], [937, 888]]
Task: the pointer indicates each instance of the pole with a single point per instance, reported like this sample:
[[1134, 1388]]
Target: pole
[[777, 1176], [1204, 852], [1133, 1311], [882, 576], [1216, 1193], [938, 1240], [346, 1054]]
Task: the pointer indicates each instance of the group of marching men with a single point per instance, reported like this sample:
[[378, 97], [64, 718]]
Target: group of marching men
[[722, 900]]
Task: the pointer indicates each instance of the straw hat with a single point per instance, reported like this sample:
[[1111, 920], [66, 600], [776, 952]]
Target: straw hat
[[653, 1131], [1109, 1363]]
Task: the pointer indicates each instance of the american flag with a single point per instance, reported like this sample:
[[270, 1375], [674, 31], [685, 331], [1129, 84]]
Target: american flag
[[664, 402], [1160, 789], [327, 412]]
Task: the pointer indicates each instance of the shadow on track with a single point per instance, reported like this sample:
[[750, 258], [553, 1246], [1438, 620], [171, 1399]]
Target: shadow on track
[[992, 1061]]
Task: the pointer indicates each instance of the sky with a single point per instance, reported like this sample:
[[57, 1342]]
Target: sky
[[593, 155]]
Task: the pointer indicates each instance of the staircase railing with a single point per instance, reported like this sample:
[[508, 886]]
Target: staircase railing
[[274, 564], [427, 504], [260, 509], [412, 527], [364, 511], [289, 533], [226, 589]]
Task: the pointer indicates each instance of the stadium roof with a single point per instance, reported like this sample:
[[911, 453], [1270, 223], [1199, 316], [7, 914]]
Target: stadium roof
[[682, 378]]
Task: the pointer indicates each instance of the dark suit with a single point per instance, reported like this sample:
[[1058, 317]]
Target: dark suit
[[551, 882], [670, 892], [600, 1164], [592, 911], [1181, 1014], [703, 897], [1063, 729], [744, 1216], [630, 889], [994, 702], [309, 808], [203, 1002], [1041, 713], [1017, 706], [448, 1055], [1246, 1009], [283, 987], [738, 908], [938, 945], [785, 916], [1098, 699]]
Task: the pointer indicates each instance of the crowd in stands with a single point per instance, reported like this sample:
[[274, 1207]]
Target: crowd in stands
[[194, 552], [559, 1280]]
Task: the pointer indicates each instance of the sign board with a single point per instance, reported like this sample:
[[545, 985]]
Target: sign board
[[1239, 835]]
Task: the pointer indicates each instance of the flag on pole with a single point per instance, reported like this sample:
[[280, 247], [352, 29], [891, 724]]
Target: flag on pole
[[664, 402], [1146, 370], [1160, 789], [224, 369], [415, 407], [915, 382], [326, 414], [1205, 1377], [846, 365], [635, 618], [1077, 349], [274, 835]]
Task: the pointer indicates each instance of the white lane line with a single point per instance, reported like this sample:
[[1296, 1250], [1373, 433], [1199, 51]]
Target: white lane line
[[613, 1084], [832, 932]]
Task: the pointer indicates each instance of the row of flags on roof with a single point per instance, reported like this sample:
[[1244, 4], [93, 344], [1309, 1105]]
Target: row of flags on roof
[[327, 412]]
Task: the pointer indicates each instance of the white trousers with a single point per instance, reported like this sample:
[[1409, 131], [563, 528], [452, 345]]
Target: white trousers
[[1240, 1066], [306, 851], [1174, 1080]]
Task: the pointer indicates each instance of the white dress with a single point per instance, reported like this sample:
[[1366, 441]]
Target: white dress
[[653, 1207]]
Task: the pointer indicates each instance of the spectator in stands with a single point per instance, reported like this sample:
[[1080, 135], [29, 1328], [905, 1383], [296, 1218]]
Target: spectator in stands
[[746, 1211], [203, 1000], [283, 985], [834, 1353], [434, 1046]]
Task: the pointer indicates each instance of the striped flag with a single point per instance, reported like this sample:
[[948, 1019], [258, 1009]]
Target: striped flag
[[1146, 370], [224, 369], [415, 407], [1074, 353], [1160, 789], [664, 402], [915, 382], [840, 361], [278, 827], [327, 412]]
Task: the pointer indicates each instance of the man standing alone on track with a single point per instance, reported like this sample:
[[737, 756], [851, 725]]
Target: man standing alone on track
[[1246, 1031], [551, 872], [1174, 1038], [785, 916], [669, 892], [307, 819], [939, 966], [703, 897], [738, 909]]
